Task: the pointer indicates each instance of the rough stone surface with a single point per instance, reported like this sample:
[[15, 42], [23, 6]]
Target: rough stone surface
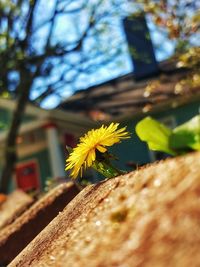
[[14, 205], [146, 218], [17, 235]]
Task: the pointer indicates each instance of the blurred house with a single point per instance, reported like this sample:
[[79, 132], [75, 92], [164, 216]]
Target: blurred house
[[152, 89], [126, 101], [41, 143]]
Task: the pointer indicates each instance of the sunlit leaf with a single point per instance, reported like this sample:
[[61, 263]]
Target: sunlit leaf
[[155, 134], [187, 135]]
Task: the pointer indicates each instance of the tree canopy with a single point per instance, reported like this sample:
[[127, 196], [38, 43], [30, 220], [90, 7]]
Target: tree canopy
[[41, 40]]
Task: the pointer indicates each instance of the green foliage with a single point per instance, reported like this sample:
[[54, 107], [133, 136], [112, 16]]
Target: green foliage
[[2, 126], [155, 134], [180, 140], [190, 59], [187, 135], [179, 19]]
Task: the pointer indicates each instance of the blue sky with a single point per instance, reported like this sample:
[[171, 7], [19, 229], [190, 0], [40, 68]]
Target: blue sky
[[70, 26]]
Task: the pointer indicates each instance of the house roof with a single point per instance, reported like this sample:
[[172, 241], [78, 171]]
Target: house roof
[[70, 120], [123, 96], [41, 113]]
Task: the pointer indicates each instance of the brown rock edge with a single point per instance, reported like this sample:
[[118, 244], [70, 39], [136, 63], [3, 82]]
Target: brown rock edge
[[15, 204], [17, 235], [150, 217]]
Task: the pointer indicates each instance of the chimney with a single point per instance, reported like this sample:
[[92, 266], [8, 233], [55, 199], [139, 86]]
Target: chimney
[[140, 47]]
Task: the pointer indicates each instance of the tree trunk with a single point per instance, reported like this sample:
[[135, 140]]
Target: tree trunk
[[10, 155]]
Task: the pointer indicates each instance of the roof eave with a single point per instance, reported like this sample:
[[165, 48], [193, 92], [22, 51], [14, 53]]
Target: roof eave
[[177, 102]]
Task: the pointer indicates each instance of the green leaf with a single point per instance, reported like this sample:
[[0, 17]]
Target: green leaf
[[187, 135], [155, 134]]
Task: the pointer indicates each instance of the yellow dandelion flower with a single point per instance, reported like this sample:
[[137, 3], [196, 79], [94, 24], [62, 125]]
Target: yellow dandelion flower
[[84, 155]]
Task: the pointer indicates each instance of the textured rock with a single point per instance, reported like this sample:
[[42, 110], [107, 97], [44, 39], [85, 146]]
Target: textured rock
[[17, 235], [146, 218]]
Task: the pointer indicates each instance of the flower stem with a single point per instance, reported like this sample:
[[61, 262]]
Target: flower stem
[[106, 169]]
